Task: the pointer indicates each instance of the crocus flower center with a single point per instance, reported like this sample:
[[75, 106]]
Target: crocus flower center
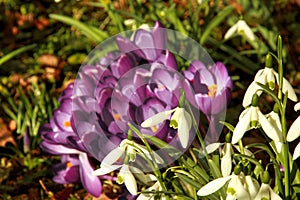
[[69, 164], [212, 89], [67, 123], [117, 116], [154, 128]]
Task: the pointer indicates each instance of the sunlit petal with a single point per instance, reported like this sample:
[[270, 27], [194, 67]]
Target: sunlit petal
[[251, 90], [294, 131], [105, 170], [268, 128], [226, 161], [287, 87], [213, 186], [184, 126], [246, 30], [129, 179], [157, 118], [212, 147], [296, 152], [297, 107], [112, 156], [240, 129], [231, 31]]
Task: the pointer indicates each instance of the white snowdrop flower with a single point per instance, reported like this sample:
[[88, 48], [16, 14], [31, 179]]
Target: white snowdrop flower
[[274, 119], [267, 76], [180, 120], [151, 196], [252, 186], [294, 133], [266, 192], [235, 188], [127, 149], [241, 28], [251, 118]]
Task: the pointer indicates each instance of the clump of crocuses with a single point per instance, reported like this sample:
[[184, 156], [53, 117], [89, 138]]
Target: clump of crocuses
[[139, 86]]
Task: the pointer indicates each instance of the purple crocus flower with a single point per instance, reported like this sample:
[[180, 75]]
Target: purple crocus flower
[[60, 138], [209, 90], [212, 86]]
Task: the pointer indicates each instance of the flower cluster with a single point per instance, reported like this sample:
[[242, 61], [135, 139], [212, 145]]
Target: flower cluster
[[137, 87]]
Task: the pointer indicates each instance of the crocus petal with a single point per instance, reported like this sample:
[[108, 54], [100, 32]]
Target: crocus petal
[[58, 149], [213, 186], [242, 126], [294, 131], [252, 89], [212, 147], [296, 152], [129, 179], [287, 87], [267, 127], [105, 170], [231, 31], [91, 183], [157, 118]]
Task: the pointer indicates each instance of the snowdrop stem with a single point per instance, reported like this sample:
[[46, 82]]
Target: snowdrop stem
[[196, 128], [241, 147], [153, 164], [280, 67]]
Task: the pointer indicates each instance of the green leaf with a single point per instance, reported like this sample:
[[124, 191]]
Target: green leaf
[[93, 34], [215, 22], [15, 53]]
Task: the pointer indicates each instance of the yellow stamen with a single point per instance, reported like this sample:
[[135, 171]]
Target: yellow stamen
[[212, 90], [69, 164], [154, 129], [117, 116], [67, 123]]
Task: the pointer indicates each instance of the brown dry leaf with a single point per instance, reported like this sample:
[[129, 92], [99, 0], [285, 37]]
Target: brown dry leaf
[[5, 134], [48, 60]]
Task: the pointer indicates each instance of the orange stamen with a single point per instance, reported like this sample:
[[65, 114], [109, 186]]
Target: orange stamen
[[117, 116], [67, 123], [212, 90]]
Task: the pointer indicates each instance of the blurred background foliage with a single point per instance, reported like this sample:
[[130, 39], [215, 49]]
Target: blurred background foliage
[[43, 44]]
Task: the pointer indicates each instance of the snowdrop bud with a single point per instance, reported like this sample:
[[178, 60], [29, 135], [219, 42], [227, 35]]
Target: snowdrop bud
[[276, 108], [265, 177], [254, 100], [228, 138], [237, 169], [269, 61]]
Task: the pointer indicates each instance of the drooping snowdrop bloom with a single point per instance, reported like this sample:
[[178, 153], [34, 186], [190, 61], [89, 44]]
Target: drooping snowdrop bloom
[[226, 154], [125, 153], [251, 118], [265, 191], [151, 196], [241, 28], [252, 185], [274, 119], [180, 120], [235, 188], [267, 76], [294, 133]]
